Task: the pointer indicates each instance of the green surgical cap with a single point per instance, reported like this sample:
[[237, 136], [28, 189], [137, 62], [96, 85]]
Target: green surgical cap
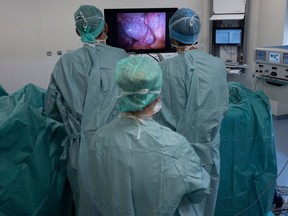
[[185, 26], [140, 81], [89, 22]]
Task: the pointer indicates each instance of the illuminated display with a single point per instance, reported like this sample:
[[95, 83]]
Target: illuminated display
[[260, 55], [228, 36], [274, 57], [285, 58], [141, 30]]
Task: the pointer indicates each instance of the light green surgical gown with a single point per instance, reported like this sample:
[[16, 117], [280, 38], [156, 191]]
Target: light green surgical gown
[[82, 93], [148, 176], [194, 102]]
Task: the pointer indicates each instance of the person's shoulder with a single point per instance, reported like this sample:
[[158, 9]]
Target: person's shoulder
[[166, 131], [71, 54], [171, 62], [114, 125], [201, 54], [173, 140], [170, 137], [116, 50], [209, 58], [208, 55], [106, 130], [219, 63]]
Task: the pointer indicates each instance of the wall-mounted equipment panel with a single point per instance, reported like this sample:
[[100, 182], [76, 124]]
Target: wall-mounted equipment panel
[[271, 63], [228, 6]]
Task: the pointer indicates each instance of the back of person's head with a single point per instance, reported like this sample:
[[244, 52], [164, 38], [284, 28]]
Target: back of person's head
[[185, 26], [89, 22], [140, 81]]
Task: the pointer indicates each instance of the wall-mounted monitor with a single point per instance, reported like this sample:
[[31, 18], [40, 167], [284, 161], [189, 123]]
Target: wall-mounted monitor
[[274, 57], [228, 36], [260, 55], [139, 30]]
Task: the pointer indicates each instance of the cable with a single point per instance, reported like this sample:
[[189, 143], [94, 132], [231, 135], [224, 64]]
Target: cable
[[152, 57], [262, 86], [258, 81], [282, 169], [231, 53], [160, 56], [262, 192], [252, 203], [282, 190], [280, 210], [254, 83]]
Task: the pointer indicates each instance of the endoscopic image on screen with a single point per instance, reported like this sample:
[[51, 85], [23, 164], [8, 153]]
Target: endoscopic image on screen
[[141, 31]]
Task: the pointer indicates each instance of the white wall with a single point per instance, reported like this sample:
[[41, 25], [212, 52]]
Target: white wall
[[29, 28], [20, 54], [266, 27], [285, 36], [271, 22]]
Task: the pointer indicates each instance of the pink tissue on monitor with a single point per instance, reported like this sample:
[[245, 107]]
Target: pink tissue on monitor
[[140, 31]]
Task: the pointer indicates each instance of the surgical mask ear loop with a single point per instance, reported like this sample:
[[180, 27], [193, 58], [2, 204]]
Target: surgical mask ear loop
[[177, 48], [182, 51], [188, 47], [157, 107], [198, 45]]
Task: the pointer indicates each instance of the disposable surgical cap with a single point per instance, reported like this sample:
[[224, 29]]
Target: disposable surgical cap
[[140, 81], [185, 26], [89, 22]]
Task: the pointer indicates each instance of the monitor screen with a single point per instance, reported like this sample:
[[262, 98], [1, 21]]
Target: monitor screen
[[285, 58], [260, 55], [274, 57], [139, 30], [225, 36]]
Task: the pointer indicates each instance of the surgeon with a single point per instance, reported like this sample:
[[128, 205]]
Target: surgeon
[[194, 98], [82, 92], [138, 167]]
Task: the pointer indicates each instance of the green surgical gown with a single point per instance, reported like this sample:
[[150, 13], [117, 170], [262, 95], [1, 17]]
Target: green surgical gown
[[158, 174], [82, 94], [194, 102]]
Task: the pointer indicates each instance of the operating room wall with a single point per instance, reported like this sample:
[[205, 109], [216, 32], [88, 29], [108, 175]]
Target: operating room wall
[[285, 39], [30, 28], [266, 22]]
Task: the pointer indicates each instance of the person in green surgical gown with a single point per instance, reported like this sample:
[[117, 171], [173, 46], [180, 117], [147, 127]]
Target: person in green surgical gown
[[82, 91], [138, 167], [195, 98]]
